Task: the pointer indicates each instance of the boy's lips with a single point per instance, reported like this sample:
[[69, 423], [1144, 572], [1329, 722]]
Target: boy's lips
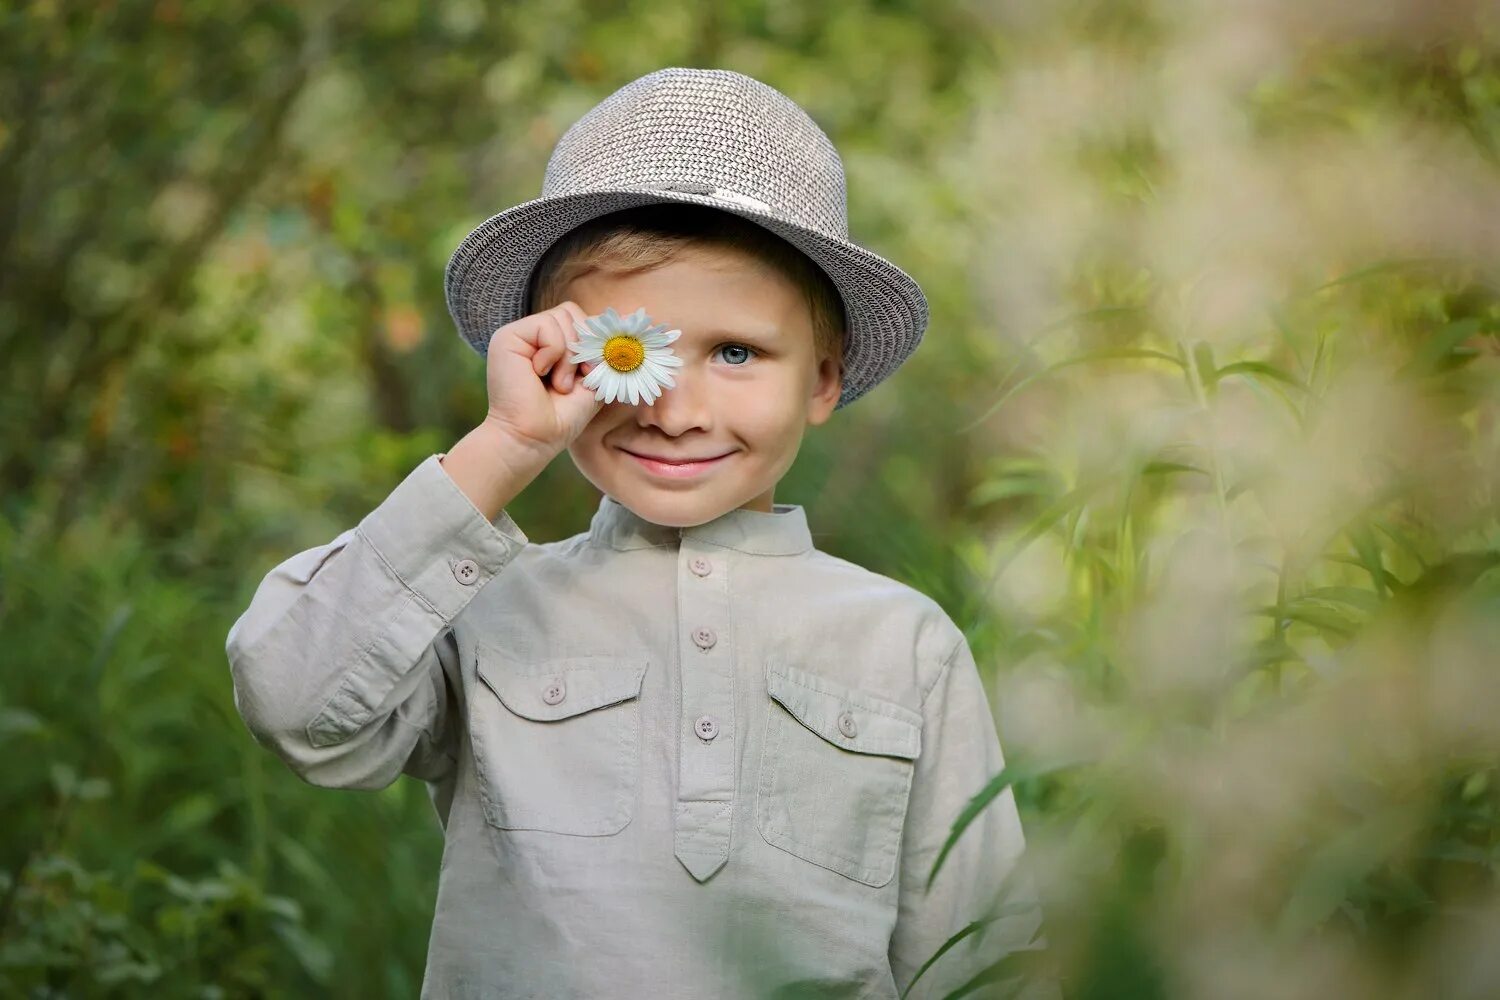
[[676, 468]]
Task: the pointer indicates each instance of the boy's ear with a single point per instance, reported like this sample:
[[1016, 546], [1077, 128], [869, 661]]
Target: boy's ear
[[826, 390]]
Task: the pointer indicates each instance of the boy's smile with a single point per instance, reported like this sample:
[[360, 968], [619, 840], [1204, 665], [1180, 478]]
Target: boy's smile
[[749, 386]]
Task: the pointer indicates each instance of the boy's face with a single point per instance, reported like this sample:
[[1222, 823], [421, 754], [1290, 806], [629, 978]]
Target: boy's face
[[749, 406]]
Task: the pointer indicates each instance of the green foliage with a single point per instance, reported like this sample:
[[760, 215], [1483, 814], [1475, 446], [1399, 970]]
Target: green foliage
[[151, 934]]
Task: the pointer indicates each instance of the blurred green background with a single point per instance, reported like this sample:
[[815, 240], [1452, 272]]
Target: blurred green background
[[1202, 449]]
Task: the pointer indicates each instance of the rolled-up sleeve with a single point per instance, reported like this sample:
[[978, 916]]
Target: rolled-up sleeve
[[960, 754], [340, 661]]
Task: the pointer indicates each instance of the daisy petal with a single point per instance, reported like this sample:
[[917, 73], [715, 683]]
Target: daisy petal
[[653, 366]]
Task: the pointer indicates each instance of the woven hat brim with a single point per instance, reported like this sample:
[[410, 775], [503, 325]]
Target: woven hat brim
[[486, 279]]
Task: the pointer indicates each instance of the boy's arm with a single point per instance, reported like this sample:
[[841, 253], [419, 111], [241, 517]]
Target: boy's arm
[[341, 661], [960, 754]]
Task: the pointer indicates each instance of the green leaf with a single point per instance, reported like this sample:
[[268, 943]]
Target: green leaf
[[1340, 863], [1014, 971], [1263, 370], [1025, 480], [1008, 775], [1438, 353], [1364, 600], [19, 722], [1168, 468], [1370, 557], [1103, 354], [1320, 616], [1203, 362], [1003, 911], [1379, 269]]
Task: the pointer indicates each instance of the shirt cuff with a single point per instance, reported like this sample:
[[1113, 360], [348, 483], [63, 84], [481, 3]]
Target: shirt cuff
[[439, 544]]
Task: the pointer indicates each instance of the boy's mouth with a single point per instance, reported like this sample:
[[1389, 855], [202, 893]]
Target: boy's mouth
[[670, 467]]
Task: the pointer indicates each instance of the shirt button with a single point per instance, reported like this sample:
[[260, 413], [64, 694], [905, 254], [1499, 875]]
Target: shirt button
[[466, 571], [704, 637], [707, 727], [554, 692], [701, 566], [847, 725]]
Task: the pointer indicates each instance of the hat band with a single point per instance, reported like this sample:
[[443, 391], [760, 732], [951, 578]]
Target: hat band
[[740, 199], [723, 194]]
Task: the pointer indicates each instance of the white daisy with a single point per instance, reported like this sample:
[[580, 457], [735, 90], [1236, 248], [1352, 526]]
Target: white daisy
[[634, 353]]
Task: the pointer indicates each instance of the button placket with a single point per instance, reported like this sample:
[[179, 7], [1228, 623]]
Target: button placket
[[706, 759]]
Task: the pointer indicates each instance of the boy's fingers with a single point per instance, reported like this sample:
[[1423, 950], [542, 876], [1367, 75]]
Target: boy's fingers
[[565, 369], [580, 406], [550, 347], [546, 357], [577, 376], [570, 313], [573, 310]]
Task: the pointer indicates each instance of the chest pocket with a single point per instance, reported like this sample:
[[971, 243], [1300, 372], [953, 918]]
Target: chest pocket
[[557, 744], [835, 774]]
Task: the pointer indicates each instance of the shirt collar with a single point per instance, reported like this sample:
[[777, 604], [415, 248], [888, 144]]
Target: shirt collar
[[782, 532]]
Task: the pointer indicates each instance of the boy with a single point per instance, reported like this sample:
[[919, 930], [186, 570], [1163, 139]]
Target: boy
[[683, 753]]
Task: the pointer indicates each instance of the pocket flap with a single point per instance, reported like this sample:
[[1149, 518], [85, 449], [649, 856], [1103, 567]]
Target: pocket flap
[[878, 726], [560, 688]]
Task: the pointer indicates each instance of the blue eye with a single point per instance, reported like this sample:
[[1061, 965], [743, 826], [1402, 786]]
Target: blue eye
[[738, 347]]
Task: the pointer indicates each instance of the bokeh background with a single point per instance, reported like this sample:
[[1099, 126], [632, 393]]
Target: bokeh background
[[1202, 449]]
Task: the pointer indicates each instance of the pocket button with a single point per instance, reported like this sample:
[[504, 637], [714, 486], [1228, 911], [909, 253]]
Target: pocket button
[[554, 692], [847, 725]]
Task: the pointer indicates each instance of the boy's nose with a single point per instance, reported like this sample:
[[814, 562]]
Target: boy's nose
[[678, 409]]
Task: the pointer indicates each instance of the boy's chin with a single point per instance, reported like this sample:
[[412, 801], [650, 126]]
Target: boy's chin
[[675, 508]]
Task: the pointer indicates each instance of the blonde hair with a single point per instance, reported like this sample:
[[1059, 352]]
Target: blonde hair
[[647, 236]]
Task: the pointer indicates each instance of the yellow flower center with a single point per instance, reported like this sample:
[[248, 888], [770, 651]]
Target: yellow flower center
[[624, 354]]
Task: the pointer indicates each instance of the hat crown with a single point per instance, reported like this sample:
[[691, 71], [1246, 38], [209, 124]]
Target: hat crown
[[711, 132]]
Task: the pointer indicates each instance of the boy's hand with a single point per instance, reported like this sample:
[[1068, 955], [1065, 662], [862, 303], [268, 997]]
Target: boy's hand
[[536, 403], [537, 408]]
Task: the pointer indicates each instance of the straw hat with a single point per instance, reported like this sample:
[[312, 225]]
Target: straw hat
[[708, 137]]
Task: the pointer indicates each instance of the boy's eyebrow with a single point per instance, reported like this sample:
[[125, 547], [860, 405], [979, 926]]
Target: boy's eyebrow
[[753, 333]]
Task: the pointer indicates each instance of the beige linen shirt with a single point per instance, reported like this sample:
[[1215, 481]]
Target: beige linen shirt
[[668, 763]]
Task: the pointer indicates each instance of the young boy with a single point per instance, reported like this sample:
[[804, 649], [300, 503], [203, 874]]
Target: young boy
[[683, 753]]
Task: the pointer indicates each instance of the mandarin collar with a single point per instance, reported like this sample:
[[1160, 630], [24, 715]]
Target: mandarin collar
[[782, 532]]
